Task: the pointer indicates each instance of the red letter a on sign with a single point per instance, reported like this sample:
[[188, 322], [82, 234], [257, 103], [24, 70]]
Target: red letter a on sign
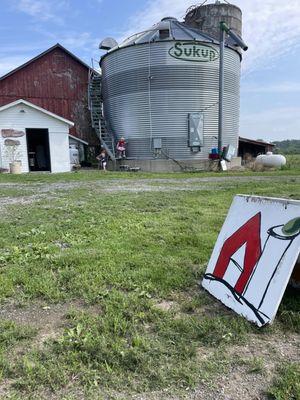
[[249, 233]]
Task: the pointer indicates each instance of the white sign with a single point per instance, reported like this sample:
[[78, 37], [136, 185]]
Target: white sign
[[254, 256]]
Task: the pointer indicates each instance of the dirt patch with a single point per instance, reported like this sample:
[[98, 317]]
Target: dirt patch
[[144, 185], [52, 190], [242, 381], [49, 320], [9, 201], [165, 185], [252, 369], [166, 305]]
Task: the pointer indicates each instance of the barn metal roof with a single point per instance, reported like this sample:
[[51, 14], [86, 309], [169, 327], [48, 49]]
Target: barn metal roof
[[31, 105], [56, 46], [257, 142]]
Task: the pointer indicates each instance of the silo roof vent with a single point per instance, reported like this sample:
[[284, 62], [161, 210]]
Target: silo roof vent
[[108, 43]]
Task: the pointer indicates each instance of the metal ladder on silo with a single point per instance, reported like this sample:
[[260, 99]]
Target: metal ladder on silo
[[106, 137]]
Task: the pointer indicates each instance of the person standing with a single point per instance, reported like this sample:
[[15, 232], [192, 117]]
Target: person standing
[[102, 158], [121, 148]]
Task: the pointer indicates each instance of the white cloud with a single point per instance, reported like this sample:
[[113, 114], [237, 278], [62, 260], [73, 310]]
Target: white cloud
[[273, 124], [271, 28], [35, 8], [42, 10], [282, 88], [70, 39], [153, 12]]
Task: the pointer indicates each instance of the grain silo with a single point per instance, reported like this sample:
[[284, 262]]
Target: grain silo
[[207, 18], [160, 91]]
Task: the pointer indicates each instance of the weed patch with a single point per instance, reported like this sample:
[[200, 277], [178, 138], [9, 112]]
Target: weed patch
[[286, 385]]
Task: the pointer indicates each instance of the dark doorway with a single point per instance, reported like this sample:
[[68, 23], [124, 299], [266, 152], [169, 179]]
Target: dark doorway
[[38, 149]]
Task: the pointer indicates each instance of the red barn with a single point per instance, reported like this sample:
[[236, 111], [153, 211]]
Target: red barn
[[57, 81]]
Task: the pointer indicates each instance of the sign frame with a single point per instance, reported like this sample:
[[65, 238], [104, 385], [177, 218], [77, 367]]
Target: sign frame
[[254, 256]]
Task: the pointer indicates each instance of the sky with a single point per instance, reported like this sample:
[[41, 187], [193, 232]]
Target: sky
[[270, 83]]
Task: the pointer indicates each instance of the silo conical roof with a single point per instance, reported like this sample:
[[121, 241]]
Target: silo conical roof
[[177, 31], [169, 28]]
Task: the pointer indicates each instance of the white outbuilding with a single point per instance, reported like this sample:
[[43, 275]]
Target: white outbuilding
[[34, 136]]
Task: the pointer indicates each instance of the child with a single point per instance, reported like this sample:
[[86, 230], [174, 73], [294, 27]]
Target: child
[[121, 147], [102, 158]]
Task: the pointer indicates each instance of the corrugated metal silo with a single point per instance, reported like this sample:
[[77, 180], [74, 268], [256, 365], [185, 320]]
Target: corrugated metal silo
[[161, 85]]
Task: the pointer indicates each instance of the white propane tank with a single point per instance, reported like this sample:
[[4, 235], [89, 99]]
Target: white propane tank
[[271, 160], [74, 155]]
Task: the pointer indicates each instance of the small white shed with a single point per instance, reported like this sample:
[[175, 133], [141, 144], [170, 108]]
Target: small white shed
[[35, 136]]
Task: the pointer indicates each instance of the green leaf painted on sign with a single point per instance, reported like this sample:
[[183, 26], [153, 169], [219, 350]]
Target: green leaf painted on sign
[[292, 227]]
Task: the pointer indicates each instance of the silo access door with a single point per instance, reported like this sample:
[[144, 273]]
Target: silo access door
[[195, 130]]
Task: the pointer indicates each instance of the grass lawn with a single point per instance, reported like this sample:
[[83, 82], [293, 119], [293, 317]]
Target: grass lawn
[[99, 291]]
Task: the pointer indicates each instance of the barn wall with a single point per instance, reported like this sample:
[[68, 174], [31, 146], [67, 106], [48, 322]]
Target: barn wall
[[57, 83], [12, 118]]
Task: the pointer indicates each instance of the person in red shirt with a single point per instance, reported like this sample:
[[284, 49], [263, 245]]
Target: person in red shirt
[[121, 148]]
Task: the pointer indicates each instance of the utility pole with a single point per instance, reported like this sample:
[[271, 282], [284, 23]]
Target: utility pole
[[224, 29], [221, 89]]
